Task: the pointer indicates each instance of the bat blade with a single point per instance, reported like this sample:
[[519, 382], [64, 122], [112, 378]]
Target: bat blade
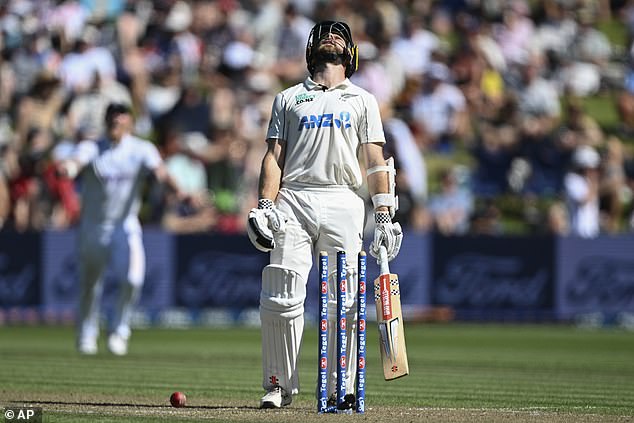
[[387, 297]]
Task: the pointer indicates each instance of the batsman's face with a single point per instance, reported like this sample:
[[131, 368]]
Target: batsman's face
[[332, 43]]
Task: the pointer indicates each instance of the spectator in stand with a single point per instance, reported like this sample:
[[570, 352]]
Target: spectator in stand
[[8, 89], [78, 67], [136, 61], [451, 208], [581, 192], [68, 18], [216, 34], [579, 128], [627, 17], [191, 176], [489, 96], [583, 67], [415, 46], [40, 109], [590, 45], [486, 220], [495, 150], [184, 46], [557, 220], [9, 159], [625, 97], [65, 195], [228, 180], [467, 66], [5, 200], [411, 171], [538, 99], [557, 30], [27, 186], [34, 57], [439, 111], [87, 109], [394, 68], [539, 115], [612, 186], [164, 90], [372, 74], [554, 152], [515, 33], [629, 175], [291, 46], [191, 113]]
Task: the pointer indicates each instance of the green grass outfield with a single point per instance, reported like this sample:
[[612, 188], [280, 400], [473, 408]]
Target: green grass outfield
[[458, 372]]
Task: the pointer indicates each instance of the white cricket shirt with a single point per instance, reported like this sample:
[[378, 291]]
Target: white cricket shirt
[[323, 130], [584, 215], [112, 178]]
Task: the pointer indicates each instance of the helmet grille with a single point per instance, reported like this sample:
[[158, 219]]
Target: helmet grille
[[335, 27]]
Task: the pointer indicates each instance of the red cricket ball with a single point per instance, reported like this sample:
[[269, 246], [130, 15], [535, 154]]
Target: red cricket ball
[[177, 399]]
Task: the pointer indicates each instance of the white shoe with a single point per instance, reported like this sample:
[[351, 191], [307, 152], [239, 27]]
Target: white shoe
[[276, 397], [87, 346], [117, 344]]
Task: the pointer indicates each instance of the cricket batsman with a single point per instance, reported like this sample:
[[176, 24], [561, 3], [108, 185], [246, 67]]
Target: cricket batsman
[[320, 130]]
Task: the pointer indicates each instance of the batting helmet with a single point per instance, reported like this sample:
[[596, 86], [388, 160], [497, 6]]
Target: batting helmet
[[350, 55]]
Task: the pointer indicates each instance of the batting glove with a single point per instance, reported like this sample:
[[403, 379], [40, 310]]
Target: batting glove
[[386, 233], [262, 222]]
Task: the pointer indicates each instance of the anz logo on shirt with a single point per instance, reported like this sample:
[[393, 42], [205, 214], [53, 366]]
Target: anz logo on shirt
[[327, 120]]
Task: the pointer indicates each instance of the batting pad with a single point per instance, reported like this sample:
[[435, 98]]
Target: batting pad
[[282, 317]]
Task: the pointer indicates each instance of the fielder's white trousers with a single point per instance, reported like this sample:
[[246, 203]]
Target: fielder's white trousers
[[121, 247]]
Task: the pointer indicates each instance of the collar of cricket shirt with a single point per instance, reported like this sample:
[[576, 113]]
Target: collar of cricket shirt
[[312, 85]]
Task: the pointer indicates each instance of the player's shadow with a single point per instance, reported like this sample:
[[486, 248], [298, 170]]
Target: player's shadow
[[120, 404]]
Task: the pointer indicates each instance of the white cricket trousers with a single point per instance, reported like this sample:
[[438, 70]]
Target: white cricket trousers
[[122, 249], [319, 219]]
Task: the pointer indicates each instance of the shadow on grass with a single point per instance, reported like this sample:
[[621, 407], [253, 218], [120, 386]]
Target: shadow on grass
[[119, 404]]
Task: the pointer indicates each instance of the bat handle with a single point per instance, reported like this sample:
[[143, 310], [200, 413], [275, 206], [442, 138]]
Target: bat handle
[[383, 262]]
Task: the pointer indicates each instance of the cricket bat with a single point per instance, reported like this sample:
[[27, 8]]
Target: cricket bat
[[387, 296]]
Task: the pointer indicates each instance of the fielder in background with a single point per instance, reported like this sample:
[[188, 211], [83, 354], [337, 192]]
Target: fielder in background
[[319, 132], [112, 170]]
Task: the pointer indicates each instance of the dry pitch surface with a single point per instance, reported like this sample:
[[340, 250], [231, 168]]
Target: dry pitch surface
[[93, 410]]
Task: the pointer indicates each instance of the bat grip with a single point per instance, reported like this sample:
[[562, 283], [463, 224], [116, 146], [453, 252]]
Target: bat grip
[[383, 262]]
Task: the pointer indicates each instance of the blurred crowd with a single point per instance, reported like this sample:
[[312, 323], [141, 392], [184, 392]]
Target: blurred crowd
[[495, 85]]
